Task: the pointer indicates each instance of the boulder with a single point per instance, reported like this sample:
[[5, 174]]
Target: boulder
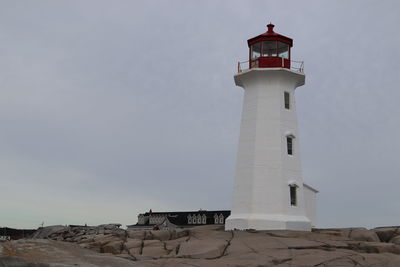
[[204, 232], [244, 243], [135, 251], [152, 243], [132, 243], [101, 240], [178, 233], [161, 235], [126, 256], [56, 253], [202, 249], [212, 246], [136, 234], [298, 243], [109, 226], [332, 232], [146, 258], [325, 258], [113, 247], [92, 246], [385, 234], [173, 244], [121, 233], [133, 246], [18, 262], [395, 240], [46, 232], [386, 259], [86, 239], [315, 235], [363, 235], [154, 252], [153, 249], [378, 247]]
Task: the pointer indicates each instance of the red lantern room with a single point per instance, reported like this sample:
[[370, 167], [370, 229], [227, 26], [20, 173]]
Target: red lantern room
[[269, 50]]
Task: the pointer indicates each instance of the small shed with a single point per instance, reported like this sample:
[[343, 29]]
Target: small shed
[[310, 203]]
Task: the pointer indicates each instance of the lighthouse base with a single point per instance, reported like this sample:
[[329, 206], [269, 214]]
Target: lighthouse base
[[267, 222]]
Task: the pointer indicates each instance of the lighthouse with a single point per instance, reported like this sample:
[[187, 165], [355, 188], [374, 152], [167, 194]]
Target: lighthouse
[[269, 192]]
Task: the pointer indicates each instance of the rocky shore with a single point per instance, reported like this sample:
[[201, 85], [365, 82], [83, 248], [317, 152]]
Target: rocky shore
[[108, 245]]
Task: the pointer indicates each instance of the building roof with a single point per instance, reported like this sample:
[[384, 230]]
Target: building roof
[[206, 212], [311, 188], [180, 218], [270, 35]]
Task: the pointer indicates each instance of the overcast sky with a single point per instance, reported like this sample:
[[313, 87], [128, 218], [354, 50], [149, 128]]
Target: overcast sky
[[110, 108]]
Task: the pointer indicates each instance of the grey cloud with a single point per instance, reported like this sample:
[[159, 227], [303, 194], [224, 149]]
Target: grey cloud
[[112, 108]]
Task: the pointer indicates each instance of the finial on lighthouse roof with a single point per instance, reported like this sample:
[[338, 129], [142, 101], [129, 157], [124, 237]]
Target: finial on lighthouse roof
[[270, 27]]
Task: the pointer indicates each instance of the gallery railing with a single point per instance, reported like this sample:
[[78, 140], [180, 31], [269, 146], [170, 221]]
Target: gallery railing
[[294, 65]]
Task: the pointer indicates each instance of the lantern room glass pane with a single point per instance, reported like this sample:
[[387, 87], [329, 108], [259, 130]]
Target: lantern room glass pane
[[283, 50], [269, 49], [256, 50]]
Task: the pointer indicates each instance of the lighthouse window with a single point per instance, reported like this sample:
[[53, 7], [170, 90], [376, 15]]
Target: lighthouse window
[[283, 50], [256, 50], [289, 141], [269, 49], [287, 100], [293, 195]]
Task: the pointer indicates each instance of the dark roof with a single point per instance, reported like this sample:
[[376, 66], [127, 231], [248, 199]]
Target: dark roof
[[16, 233], [181, 217], [270, 35], [206, 212]]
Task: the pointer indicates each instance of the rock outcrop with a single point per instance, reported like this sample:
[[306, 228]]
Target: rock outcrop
[[209, 246]]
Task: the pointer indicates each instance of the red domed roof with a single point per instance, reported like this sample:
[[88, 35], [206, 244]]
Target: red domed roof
[[270, 35]]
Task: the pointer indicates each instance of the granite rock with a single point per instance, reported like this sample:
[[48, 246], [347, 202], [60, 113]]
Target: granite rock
[[211, 246]]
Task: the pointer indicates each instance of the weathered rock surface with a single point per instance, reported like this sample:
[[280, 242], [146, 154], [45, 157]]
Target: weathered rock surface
[[7, 261], [395, 240], [45, 232], [385, 234], [109, 245], [113, 247], [361, 234], [50, 253]]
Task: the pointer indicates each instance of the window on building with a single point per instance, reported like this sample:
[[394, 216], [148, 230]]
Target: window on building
[[221, 219], [199, 219], [287, 100], [216, 219], [140, 219], [204, 219], [289, 141], [293, 195], [189, 219]]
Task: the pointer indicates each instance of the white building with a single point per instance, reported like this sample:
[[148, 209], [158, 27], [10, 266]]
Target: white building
[[269, 192]]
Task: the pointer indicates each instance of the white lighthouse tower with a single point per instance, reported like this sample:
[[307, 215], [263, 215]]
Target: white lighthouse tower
[[269, 189]]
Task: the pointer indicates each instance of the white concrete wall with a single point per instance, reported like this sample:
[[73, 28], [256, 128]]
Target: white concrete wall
[[263, 168], [310, 201]]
